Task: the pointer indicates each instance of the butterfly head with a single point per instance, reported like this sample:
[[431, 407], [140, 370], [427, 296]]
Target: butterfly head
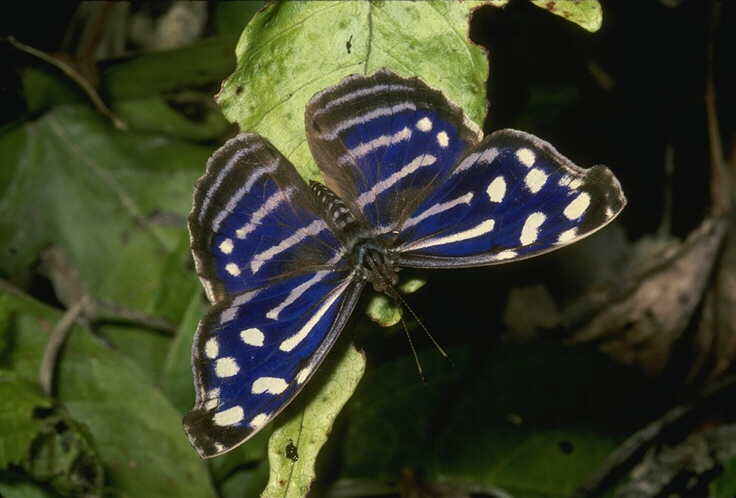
[[377, 266]]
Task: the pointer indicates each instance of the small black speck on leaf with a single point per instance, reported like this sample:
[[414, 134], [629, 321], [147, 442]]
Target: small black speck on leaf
[[42, 412], [291, 451], [566, 447]]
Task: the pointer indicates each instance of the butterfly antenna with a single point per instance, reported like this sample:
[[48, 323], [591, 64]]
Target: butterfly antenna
[[413, 349], [398, 298]]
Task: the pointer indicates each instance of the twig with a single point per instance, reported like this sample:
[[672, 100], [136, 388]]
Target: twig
[[720, 186], [58, 335], [75, 76], [643, 438]]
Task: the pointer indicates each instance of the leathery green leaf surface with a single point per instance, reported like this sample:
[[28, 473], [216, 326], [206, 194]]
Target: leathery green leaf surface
[[292, 50], [114, 399], [307, 422]]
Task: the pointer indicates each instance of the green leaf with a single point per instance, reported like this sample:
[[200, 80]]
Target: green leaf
[[178, 382], [230, 17], [159, 72], [292, 50], [585, 13], [725, 484], [18, 426], [244, 470], [45, 87], [4, 325], [145, 347], [383, 311], [63, 454], [135, 429], [148, 452], [159, 115], [171, 91], [12, 484], [513, 417], [39, 436], [12, 145], [308, 421], [93, 191]]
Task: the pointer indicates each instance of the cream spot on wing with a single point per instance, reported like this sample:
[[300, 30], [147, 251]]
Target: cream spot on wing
[[211, 348], [270, 385], [526, 157], [226, 246], [232, 269], [231, 416], [577, 207], [303, 375], [530, 232], [535, 180], [505, 255], [259, 421], [252, 337], [213, 399], [424, 124], [567, 236], [226, 367], [443, 139], [497, 189]]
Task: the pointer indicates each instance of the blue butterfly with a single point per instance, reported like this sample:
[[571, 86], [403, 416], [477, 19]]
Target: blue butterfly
[[410, 181]]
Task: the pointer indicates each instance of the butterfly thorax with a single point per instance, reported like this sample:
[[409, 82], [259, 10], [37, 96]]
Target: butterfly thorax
[[366, 253]]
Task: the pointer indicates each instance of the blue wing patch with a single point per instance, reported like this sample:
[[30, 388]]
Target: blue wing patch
[[410, 181]]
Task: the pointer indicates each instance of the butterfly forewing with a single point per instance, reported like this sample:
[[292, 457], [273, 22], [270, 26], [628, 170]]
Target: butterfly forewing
[[513, 196], [383, 143], [253, 221]]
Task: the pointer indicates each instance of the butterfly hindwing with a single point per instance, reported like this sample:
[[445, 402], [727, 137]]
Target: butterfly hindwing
[[252, 355], [511, 197], [383, 142]]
